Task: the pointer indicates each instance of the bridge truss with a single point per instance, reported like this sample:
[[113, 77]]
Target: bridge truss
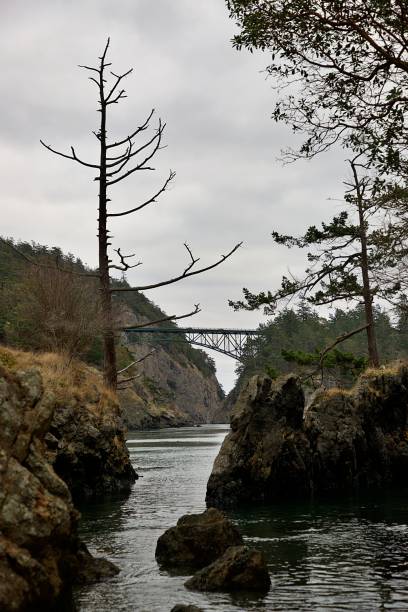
[[229, 342]]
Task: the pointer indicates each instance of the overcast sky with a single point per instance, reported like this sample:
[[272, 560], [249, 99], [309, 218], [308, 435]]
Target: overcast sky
[[220, 140]]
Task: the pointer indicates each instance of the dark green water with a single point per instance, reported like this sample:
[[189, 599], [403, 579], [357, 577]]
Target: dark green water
[[350, 556]]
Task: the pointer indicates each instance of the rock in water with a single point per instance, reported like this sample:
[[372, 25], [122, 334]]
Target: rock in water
[[266, 453], [239, 569], [197, 540], [343, 440], [86, 443]]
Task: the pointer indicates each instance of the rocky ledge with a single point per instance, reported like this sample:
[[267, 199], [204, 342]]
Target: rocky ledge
[[61, 436], [341, 441], [41, 555], [86, 442]]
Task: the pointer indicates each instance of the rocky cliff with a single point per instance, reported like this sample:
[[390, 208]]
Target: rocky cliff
[[40, 552], [341, 441], [171, 390]]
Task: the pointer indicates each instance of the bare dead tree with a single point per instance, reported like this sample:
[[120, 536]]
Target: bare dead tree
[[119, 159]]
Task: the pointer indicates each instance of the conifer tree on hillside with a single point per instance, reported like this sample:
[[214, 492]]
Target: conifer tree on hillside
[[354, 257]]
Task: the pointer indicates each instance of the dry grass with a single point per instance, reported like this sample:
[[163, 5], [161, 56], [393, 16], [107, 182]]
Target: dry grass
[[66, 378], [389, 369], [333, 391]]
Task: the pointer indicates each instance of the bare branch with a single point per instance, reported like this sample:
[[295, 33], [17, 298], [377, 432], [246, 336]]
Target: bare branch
[[196, 310], [150, 201], [128, 154], [118, 77], [141, 128], [124, 265], [73, 155], [121, 382], [187, 272], [141, 165], [135, 362]]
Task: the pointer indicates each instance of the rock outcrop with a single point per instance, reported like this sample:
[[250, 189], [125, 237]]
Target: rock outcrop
[[342, 440], [239, 569], [40, 553], [86, 443], [197, 540]]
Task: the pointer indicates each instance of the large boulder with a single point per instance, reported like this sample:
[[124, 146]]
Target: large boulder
[[239, 569], [86, 443], [340, 441], [266, 450], [40, 552], [197, 540]]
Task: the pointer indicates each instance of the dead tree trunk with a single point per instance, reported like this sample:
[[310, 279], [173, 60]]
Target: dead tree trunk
[[118, 160]]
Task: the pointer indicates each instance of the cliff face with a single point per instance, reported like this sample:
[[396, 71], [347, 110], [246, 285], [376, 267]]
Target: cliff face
[[40, 553], [341, 441], [171, 390]]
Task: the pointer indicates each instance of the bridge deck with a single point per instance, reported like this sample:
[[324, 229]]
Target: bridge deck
[[230, 342], [193, 330]]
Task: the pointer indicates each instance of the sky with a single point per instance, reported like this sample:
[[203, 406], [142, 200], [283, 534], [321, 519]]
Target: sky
[[220, 139]]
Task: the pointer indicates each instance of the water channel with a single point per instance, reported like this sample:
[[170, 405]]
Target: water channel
[[350, 555]]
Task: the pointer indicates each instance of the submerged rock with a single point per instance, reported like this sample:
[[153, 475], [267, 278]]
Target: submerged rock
[[197, 540], [92, 569], [343, 439], [238, 569]]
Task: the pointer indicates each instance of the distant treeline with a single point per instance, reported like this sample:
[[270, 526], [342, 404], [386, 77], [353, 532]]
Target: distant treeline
[[295, 339]]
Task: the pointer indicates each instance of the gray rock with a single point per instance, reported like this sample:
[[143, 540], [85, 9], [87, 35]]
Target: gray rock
[[238, 569], [197, 540]]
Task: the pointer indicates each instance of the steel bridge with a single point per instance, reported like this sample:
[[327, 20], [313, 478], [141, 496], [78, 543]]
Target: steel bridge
[[229, 342]]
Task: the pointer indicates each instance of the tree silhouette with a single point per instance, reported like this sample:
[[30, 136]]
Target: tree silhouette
[[118, 159]]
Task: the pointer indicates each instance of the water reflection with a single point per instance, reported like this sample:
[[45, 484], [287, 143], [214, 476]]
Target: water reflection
[[350, 555]]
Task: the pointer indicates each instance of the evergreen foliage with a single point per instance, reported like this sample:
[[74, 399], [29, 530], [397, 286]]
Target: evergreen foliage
[[294, 339]]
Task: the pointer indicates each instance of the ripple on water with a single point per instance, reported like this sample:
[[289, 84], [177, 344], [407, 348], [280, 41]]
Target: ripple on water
[[350, 556]]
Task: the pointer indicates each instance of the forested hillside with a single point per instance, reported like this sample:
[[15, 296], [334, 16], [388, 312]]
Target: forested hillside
[[26, 288], [53, 305]]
